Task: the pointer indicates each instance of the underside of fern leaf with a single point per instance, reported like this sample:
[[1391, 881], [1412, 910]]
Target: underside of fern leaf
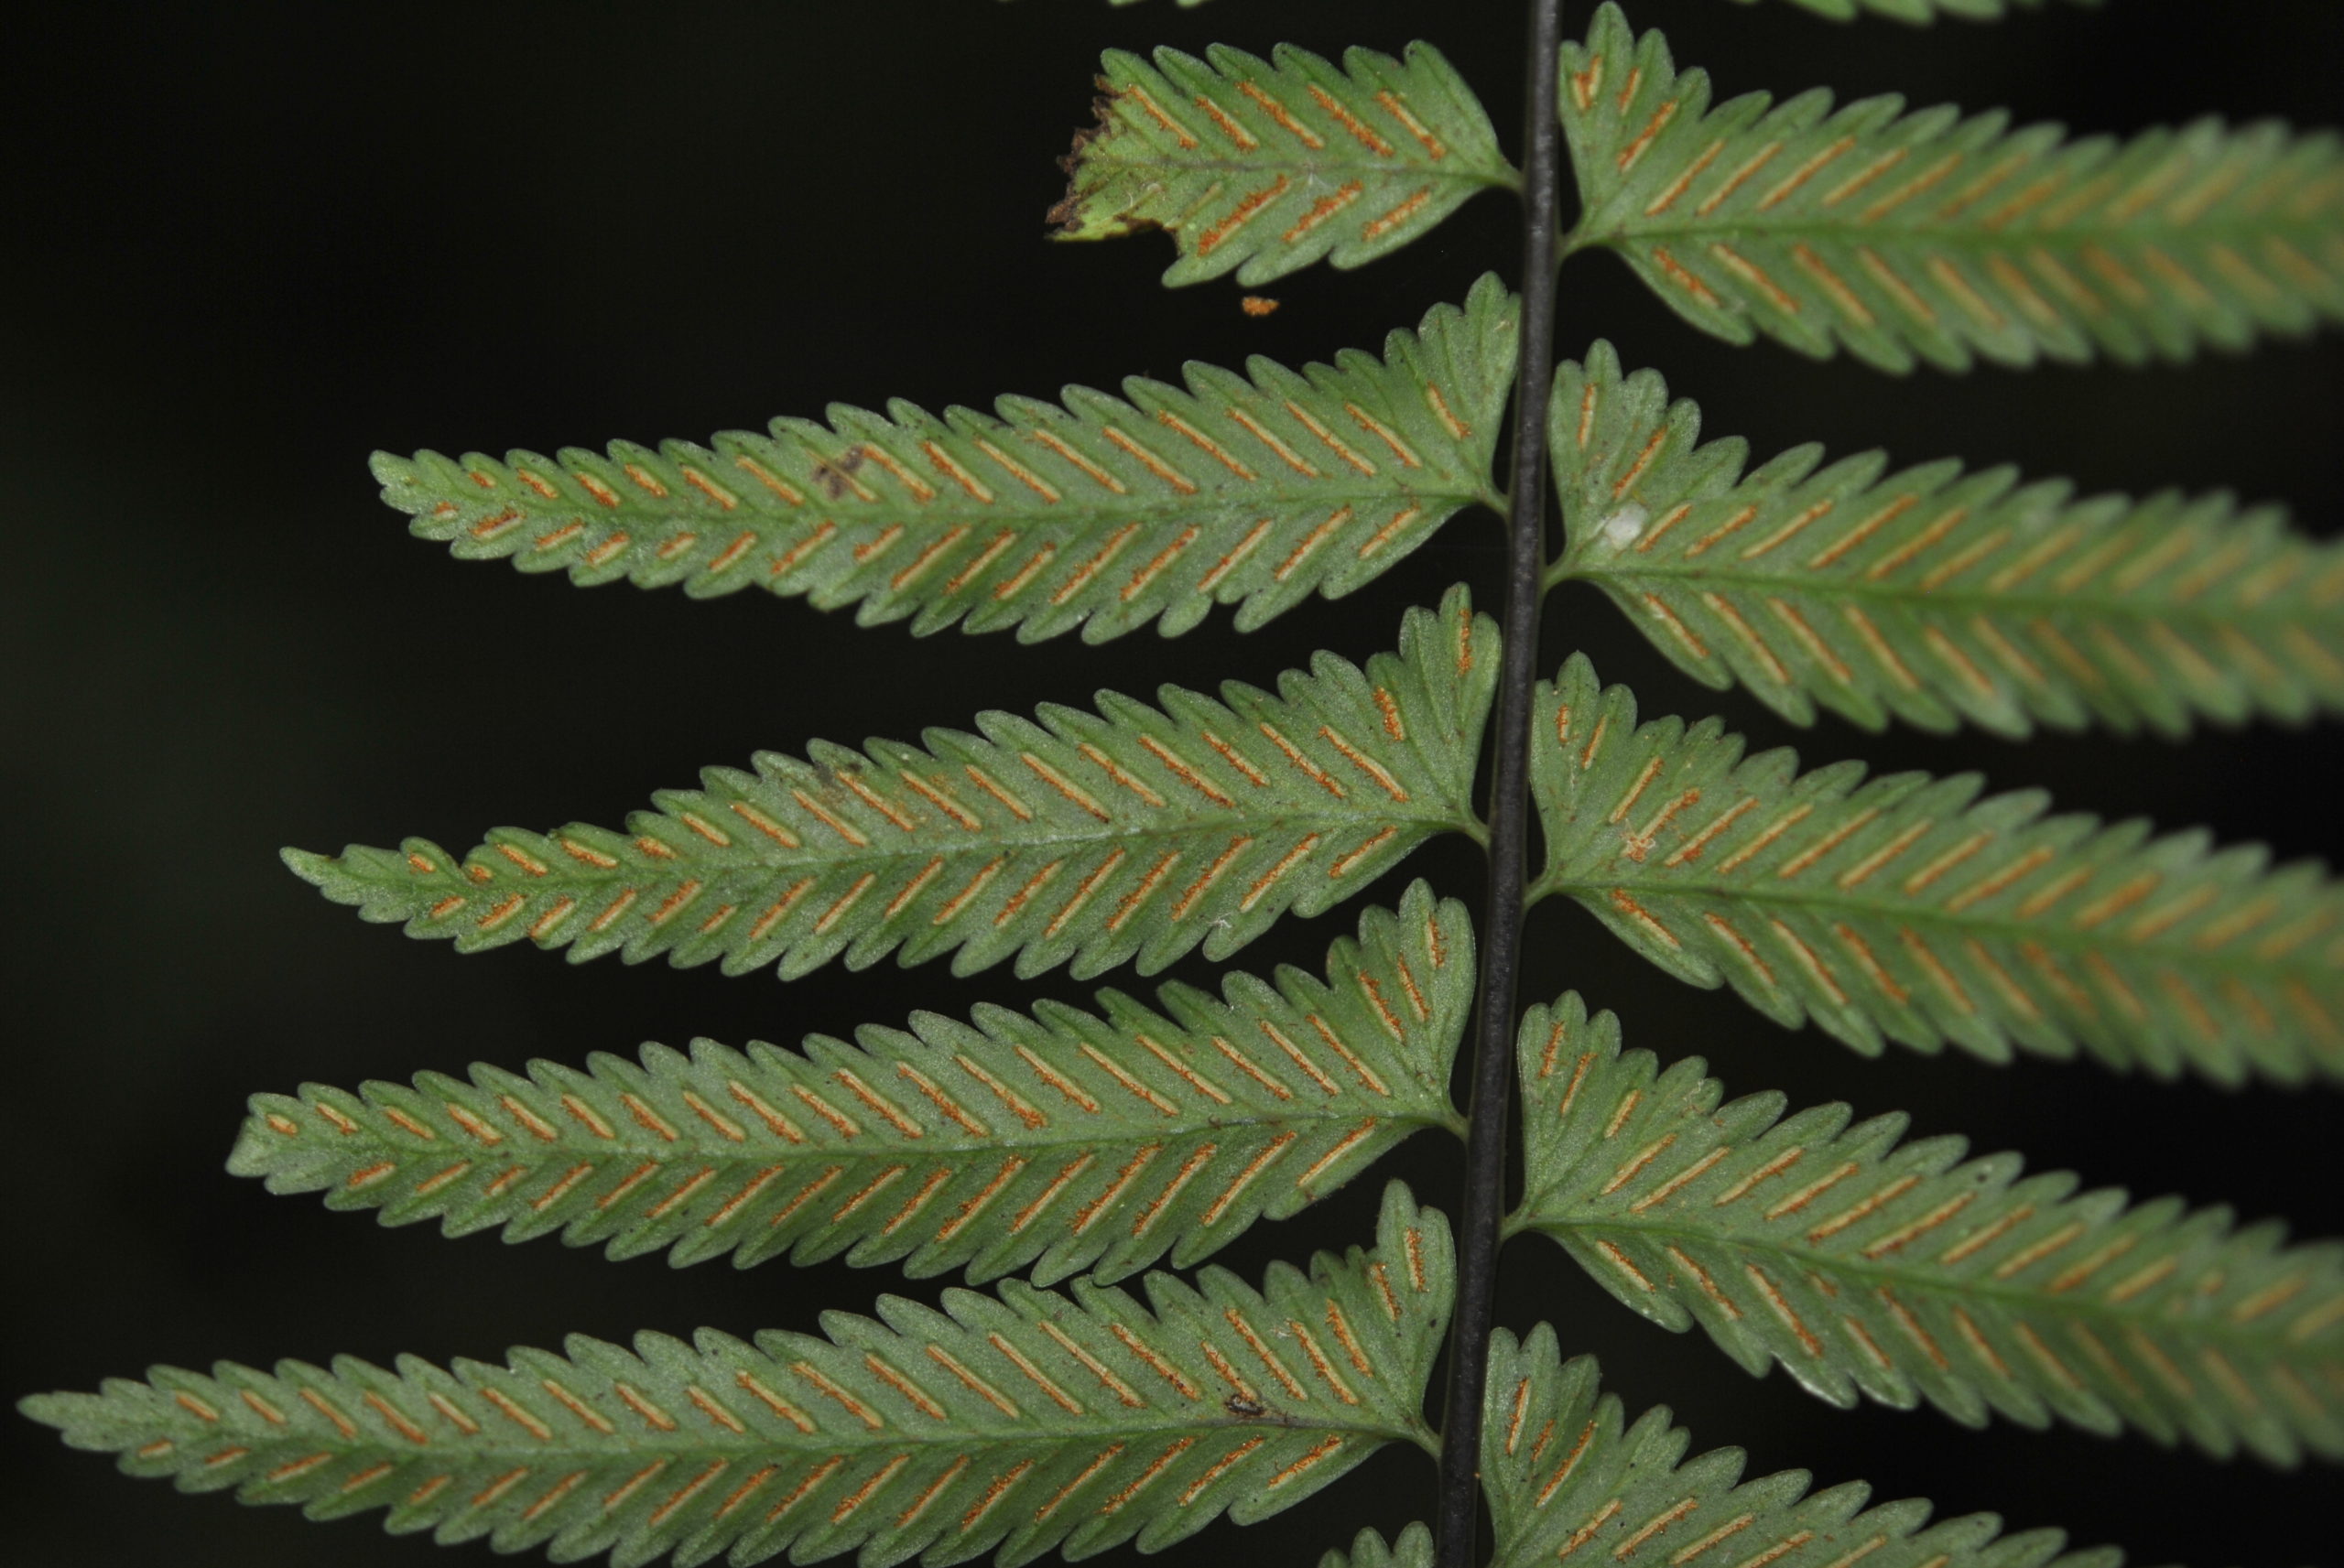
[[1908, 909], [1868, 1265], [1265, 167], [1566, 1474], [1064, 1140], [1413, 1549], [1930, 595], [1105, 513], [1136, 833], [1925, 236], [1021, 1420]]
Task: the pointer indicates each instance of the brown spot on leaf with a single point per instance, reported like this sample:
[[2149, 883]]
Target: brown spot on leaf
[[830, 475]]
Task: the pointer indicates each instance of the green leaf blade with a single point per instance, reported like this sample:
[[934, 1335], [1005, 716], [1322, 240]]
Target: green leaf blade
[[1909, 909], [1135, 833], [1896, 1270], [1262, 167], [1412, 1548], [1103, 514], [1065, 1142], [1021, 1420], [1925, 237], [1566, 1471], [1931, 596]]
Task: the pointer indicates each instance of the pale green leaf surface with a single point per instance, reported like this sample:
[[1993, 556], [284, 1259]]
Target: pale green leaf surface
[[1104, 512], [1898, 1271], [1906, 237], [1092, 840], [1413, 1549], [1021, 1420], [1931, 595], [1264, 166], [1062, 1139], [1909, 909], [1567, 1474]]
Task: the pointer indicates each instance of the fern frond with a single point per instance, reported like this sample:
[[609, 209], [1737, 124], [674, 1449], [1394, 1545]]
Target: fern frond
[[1897, 1271], [1926, 236], [1141, 833], [1022, 1419], [1907, 909], [1932, 595], [1412, 1550], [1264, 166], [1105, 513], [1566, 1473], [1920, 11], [1062, 1139]]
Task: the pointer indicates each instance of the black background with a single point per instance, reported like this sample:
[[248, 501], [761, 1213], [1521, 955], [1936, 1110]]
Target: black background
[[246, 245]]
